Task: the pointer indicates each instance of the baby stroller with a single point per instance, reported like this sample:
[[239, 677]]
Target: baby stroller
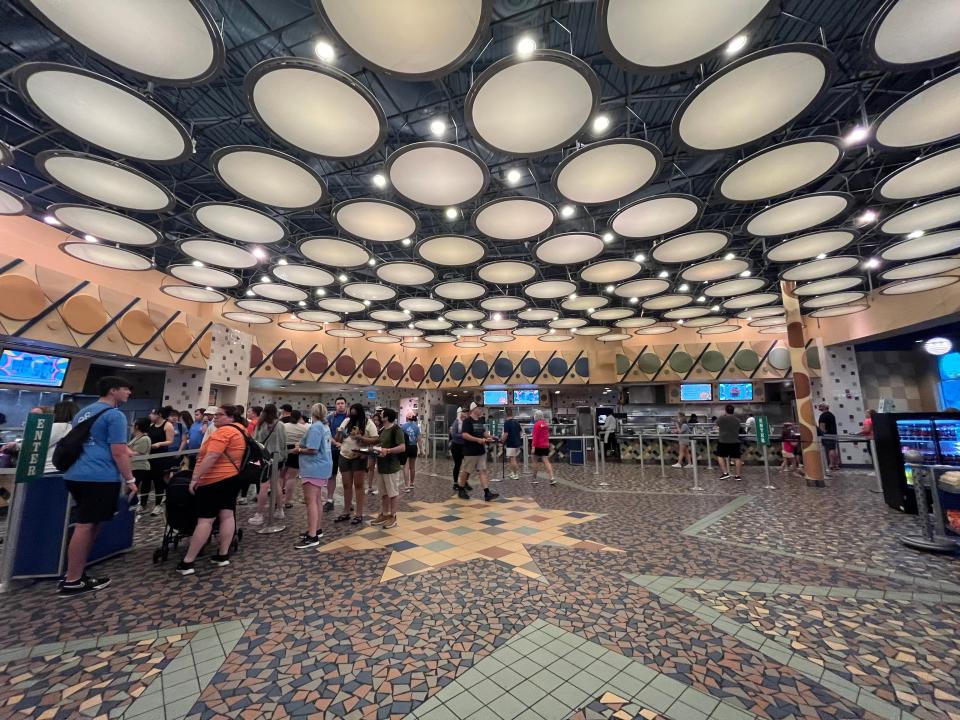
[[181, 516]]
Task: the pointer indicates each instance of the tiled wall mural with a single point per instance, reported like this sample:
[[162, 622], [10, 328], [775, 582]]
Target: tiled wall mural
[[840, 389], [896, 375]]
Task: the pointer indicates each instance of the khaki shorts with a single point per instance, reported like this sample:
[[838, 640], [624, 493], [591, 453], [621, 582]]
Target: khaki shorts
[[512, 452], [474, 464], [388, 484]]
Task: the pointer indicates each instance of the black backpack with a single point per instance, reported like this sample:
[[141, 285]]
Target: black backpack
[[70, 447]]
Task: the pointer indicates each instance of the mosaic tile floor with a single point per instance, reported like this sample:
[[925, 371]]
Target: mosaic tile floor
[[621, 595]]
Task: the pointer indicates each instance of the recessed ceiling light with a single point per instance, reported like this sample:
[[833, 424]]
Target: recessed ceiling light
[[556, 392], [250, 293], [609, 288], [497, 316], [702, 298], [367, 303], [664, 274], [634, 301], [552, 330], [208, 288], [321, 291], [745, 273], [715, 308], [729, 256], [380, 180], [680, 321], [683, 288], [821, 256], [572, 296], [324, 50], [600, 124], [195, 263], [405, 242], [259, 253], [915, 234], [513, 176], [265, 279], [469, 325], [281, 261], [129, 365], [857, 134], [525, 46], [451, 213], [51, 220], [438, 127], [371, 262], [639, 257], [301, 303], [342, 278], [938, 346], [871, 263], [92, 239], [567, 211], [736, 45], [867, 217]]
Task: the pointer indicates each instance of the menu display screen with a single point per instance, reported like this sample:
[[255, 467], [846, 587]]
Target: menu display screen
[[25, 368], [696, 392], [735, 392], [495, 397], [526, 397]]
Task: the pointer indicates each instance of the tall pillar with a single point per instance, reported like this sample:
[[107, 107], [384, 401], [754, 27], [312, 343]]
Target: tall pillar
[[796, 342]]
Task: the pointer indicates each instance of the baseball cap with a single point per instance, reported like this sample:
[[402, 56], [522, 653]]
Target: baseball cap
[[473, 405], [211, 410]]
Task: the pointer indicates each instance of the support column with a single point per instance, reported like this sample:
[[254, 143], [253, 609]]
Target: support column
[[796, 342]]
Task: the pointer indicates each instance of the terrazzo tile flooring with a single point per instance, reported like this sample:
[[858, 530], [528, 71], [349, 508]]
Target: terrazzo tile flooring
[[733, 602]]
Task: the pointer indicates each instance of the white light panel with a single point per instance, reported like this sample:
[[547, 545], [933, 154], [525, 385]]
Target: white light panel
[[739, 286], [375, 220], [106, 256], [838, 311], [780, 169], [405, 273], [105, 225], [421, 304], [585, 302], [641, 288], [656, 330], [204, 276], [266, 307], [504, 324], [334, 252], [437, 174], [537, 314], [611, 314], [931, 174], [610, 271], [104, 180], [318, 316], [549, 289], [465, 315], [248, 318], [460, 290], [830, 285], [451, 250], [569, 248], [236, 222], [502, 303], [275, 291], [433, 324], [816, 269], [918, 285], [268, 177], [840, 298], [555, 338], [914, 33], [567, 323], [383, 339], [530, 331], [506, 272], [667, 302], [193, 294], [690, 246], [514, 218], [685, 313], [936, 243], [215, 252], [714, 270], [374, 292], [921, 268], [636, 322], [926, 116], [391, 316], [344, 333], [607, 171], [751, 301], [706, 321], [807, 247], [798, 214], [370, 325], [303, 275], [930, 215], [719, 330], [11, 204], [655, 216]]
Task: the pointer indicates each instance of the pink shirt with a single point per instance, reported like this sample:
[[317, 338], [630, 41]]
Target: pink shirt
[[541, 434]]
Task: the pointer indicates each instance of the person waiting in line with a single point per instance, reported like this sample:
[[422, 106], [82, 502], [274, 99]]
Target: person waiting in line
[[789, 445], [180, 430], [729, 450], [610, 435], [291, 467], [827, 424], [456, 446], [866, 429], [213, 483], [271, 433], [338, 418], [682, 428], [393, 443], [253, 415], [512, 439], [355, 433], [196, 433], [377, 419], [316, 464], [540, 441], [63, 414], [413, 446], [475, 441], [161, 434], [285, 410], [139, 445]]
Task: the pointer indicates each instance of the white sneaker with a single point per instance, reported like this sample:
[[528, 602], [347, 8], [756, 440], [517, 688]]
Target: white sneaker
[[242, 500], [514, 476], [157, 510], [278, 514], [256, 519], [677, 465]]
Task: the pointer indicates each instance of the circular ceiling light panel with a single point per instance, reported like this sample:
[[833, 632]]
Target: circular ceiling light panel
[[918, 285], [641, 288], [751, 301], [105, 225], [297, 326], [532, 105], [714, 270], [667, 302], [926, 246], [567, 323], [611, 314], [926, 216], [729, 288], [506, 272], [830, 285], [780, 169], [655, 216], [776, 329], [690, 246], [344, 333], [514, 218], [174, 42], [391, 316], [11, 204], [549, 289], [104, 181], [334, 252], [706, 321], [421, 304], [267, 307], [268, 177], [817, 269], [498, 338], [537, 314], [661, 36], [637, 322], [106, 256], [460, 290], [591, 330], [610, 271], [585, 302], [216, 252], [798, 214], [503, 303], [464, 315], [236, 222], [924, 117], [656, 330], [440, 338], [685, 313], [923, 268], [203, 276], [451, 250], [370, 325], [375, 220], [908, 34], [719, 330], [315, 107], [408, 332], [103, 112], [302, 275], [832, 312], [761, 313], [437, 174], [274, 291], [807, 247], [405, 273], [465, 344], [468, 332], [193, 294], [931, 174], [383, 339], [530, 331], [554, 338], [613, 337], [607, 171], [767, 322], [318, 316], [499, 324], [840, 298], [424, 40], [753, 97], [433, 324], [569, 248], [418, 344], [248, 318], [374, 292], [341, 305]]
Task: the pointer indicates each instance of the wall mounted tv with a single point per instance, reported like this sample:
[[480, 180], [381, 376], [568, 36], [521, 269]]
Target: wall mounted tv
[[530, 396], [495, 397], [735, 392], [696, 392], [25, 368]]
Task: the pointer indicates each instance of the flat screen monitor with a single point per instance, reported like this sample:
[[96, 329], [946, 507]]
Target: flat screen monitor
[[696, 392], [735, 392], [495, 397], [25, 368], [526, 397]]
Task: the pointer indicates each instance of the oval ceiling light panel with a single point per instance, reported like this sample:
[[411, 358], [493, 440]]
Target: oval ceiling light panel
[[506, 272], [817, 269], [103, 112], [923, 268], [836, 311], [383, 339], [375, 220], [641, 288], [807, 247], [637, 322], [274, 291], [655, 216], [11, 204], [392, 316], [530, 331], [498, 338], [366, 325], [318, 316], [268, 177], [550, 289], [607, 171], [690, 246], [104, 180], [909, 34], [740, 286], [686, 313], [236, 222], [840, 298], [667, 302], [611, 314], [107, 256], [437, 174], [662, 35], [302, 275], [830, 285], [105, 225], [537, 314], [315, 107], [714, 270], [557, 337], [610, 271], [656, 330], [780, 169], [499, 324], [753, 97], [718, 330], [341, 305], [530, 106], [918, 285], [406, 273], [588, 330], [751, 301], [421, 304], [798, 214], [460, 290], [926, 246], [248, 318], [298, 326], [930, 215], [441, 338], [468, 332], [193, 294], [451, 250], [374, 292], [464, 315], [409, 332], [334, 252], [567, 323], [706, 321], [175, 42], [931, 174], [267, 307], [216, 252], [585, 302], [465, 344], [514, 218], [344, 333], [770, 321], [763, 312], [930, 114], [569, 248], [203, 276], [423, 344]]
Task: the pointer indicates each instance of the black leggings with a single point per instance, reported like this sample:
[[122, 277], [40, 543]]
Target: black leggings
[[154, 477], [456, 450]]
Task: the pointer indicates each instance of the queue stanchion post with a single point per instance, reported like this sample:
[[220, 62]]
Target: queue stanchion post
[[693, 459], [598, 460], [9, 547], [706, 442], [766, 468], [271, 525], [876, 464], [640, 441], [663, 468]]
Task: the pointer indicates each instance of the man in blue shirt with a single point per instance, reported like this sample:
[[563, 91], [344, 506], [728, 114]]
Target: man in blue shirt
[[511, 439], [95, 481], [338, 418]]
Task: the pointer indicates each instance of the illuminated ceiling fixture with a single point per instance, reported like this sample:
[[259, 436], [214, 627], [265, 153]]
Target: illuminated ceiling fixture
[[438, 127], [915, 234], [871, 263], [265, 279], [324, 50], [342, 278], [664, 274], [702, 298], [856, 135], [715, 308], [379, 180], [261, 254], [525, 46], [745, 273], [736, 45], [634, 300], [451, 213], [683, 288], [567, 211], [609, 288], [729, 256], [938, 346], [321, 291], [639, 257], [250, 293], [405, 242], [867, 217], [601, 123], [51, 220], [195, 263], [281, 261], [90, 238], [821, 256], [608, 237], [513, 176]]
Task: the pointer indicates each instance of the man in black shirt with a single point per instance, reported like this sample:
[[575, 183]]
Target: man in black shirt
[[828, 426], [475, 440]]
